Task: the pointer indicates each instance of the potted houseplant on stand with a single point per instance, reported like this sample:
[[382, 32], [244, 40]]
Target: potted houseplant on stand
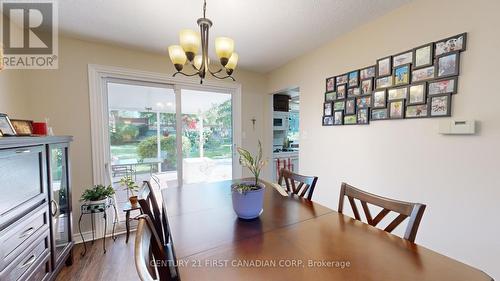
[[98, 194], [129, 185], [248, 196]]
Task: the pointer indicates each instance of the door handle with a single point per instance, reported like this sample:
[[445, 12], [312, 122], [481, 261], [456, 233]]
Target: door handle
[[19, 151], [54, 210], [29, 261]]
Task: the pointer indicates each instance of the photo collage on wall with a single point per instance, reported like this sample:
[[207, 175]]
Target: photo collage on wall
[[418, 83]]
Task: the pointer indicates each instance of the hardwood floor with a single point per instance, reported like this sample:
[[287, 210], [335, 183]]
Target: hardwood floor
[[116, 264]]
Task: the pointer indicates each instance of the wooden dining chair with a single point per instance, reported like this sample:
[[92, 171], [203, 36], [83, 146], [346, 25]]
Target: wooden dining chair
[[413, 211], [149, 205], [153, 260], [305, 187]]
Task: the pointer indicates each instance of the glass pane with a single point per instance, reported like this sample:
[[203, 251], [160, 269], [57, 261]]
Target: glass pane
[[142, 131], [59, 204], [207, 136]]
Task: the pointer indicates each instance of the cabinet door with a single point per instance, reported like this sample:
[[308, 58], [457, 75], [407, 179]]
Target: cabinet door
[[60, 200], [23, 184]]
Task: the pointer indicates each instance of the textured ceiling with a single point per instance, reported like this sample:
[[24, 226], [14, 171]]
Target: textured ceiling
[[267, 33]]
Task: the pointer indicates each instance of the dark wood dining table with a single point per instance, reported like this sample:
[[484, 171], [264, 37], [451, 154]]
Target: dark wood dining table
[[293, 239]]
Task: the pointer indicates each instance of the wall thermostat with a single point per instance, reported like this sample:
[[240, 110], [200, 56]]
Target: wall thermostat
[[457, 127]]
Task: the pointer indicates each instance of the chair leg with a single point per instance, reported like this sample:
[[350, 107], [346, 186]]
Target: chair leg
[[127, 225]]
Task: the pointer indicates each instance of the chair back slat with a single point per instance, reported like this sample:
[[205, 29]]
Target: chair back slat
[[149, 206], [414, 211], [305, 187], [149, 250]]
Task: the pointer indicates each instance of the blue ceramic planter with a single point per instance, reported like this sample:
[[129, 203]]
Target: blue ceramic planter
[[248, 205]]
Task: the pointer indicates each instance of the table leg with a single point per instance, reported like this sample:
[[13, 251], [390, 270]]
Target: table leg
[[81, 235], [127, 225]]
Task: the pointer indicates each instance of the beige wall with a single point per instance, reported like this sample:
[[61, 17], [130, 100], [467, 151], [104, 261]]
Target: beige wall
[[456, 176], [62, 96]]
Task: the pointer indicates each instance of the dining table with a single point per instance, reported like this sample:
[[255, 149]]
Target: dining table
[[293, 239]]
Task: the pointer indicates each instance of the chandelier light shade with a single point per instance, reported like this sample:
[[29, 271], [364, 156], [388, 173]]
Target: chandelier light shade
[[189, 46]]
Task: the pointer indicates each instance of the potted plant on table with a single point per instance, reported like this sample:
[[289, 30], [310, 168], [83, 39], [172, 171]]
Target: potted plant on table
[[248, 196], [129, 185], [97, 194]]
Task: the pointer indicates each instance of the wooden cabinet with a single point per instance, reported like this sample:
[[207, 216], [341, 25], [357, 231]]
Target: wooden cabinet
[[35, 211]]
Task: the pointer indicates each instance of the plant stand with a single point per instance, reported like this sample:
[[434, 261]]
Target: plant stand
[[91, 209]]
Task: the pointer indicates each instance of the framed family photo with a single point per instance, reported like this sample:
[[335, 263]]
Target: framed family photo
[[6, 126], [368, 72], [397, 93], [350, 106], [417, 94], [338, 117], [379, 114], [448, 65], [417, 111], [440, 106], [451, 44], [352, 92], [363, 102], [443, 86], [353, 79], [397, 109], [22, 127], [327, 120], [339, 105], [341, 91], [330, 84], [327, 109], [384, 82], [384, 66], [331, 96], [423, 56], [402, 75], [363, 116], [342, 79], [380, 99], [402, 58], [366, 86], [350, 119], [422, 74]]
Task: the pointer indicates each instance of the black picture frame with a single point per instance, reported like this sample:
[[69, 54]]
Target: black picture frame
[[325, 104], [347, 102], [338, 102], [456, 69], [341, 89], [425, 105], [355, 82], [403, 109], [376, 118], [325, 118], [424, 93], [344, 78], [365, 104], [355, 116], [408, 66], [376, 106], [377, 67], [430, 92], [400, 54], [430, 56], [341, 112], [6, 126], [437, 45], [389, 99], [413, 76], [367, 72], [360, 111], [327, 89], [371, 87], [448, 105], [377, 87], [333, 96]]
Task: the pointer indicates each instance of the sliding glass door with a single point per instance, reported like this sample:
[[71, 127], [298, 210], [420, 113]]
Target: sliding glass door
[[168, 135], [207, 133]]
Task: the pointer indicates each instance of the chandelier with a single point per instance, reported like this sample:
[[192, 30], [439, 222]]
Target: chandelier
[[189, 44]]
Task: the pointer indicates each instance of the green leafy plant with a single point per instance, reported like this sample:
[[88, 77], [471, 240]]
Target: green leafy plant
[[254, 164], [148, 148], [129, 184], [97, 192]]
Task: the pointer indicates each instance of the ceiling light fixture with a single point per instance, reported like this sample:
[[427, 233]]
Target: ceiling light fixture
[[189, 44]]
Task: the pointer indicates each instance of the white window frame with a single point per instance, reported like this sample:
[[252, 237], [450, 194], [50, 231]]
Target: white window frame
[[99, 74]]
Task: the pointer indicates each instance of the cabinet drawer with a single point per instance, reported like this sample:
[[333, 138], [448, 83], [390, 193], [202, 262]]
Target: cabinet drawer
[[23, 174], [27, 261], [40, 272], [15, 238]]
